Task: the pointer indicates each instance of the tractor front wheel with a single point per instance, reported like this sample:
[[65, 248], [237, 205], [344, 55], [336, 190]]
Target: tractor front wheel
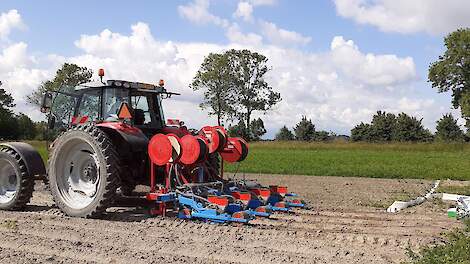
[[84, 171]]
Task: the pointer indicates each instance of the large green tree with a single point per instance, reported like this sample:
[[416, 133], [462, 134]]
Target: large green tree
[[234, 87], [257, 129], [361, 132], [304, 130], [284, 134], [252, 92], [26, 127], [8, 122], [215, 78], [68, 75], [382, 125], [6, 100], [451, 72], [255, 133], [409, 128], [448, 130]]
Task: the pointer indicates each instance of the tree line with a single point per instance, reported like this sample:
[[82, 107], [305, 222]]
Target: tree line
[[17, 126], [384, 127], [304, 130]]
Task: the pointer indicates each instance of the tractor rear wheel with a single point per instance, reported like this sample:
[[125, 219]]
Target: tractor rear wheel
[[16, 185], [84, 171]]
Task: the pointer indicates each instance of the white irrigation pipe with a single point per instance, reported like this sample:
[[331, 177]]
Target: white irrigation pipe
[[453, 197], [399, 205]]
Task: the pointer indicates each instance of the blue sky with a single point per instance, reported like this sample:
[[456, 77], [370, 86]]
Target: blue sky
[[336, 61]]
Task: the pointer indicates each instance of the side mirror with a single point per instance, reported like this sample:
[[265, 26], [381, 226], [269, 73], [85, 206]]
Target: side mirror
[[46, 102]]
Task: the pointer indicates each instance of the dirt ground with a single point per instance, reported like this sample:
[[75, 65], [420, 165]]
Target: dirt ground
[[347, 224]]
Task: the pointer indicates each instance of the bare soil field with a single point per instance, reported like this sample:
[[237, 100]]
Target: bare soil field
[[346, 224]]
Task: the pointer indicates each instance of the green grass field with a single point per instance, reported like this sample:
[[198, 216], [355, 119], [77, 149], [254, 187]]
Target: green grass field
[[396, 160]]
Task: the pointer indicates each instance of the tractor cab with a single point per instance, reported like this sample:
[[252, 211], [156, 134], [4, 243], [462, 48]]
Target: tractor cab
[[137, 104]]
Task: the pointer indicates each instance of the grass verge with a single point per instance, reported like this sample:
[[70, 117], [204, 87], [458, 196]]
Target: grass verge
[[462, 190], [456, 249]]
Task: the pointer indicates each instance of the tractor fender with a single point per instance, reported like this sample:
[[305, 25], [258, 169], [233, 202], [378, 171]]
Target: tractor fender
[[133, 136], [30, 156]]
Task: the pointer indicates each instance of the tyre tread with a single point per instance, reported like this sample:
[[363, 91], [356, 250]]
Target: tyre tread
[[110, 154], [26, 189]]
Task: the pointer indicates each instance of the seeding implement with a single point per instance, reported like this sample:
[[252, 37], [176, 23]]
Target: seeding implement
[[111, 136]]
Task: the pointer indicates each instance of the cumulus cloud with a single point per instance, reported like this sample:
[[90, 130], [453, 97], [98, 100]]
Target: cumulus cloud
[[404, 16], [20, 73], [337, 88], [14, 56], [371, 69], [283, 37], [198, 12], [234, 35], [9, 21], [262, 2], [244, 10]]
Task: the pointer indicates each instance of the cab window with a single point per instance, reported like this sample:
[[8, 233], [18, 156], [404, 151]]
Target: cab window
[[63, 108], [90, 105], [142, 115], [113, 98]]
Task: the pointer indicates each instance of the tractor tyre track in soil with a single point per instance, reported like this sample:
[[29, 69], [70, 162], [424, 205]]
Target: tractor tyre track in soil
[[343, 226]]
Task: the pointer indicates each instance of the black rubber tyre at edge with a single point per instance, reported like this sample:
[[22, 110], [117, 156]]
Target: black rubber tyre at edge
[[108, 165], [24, 179]]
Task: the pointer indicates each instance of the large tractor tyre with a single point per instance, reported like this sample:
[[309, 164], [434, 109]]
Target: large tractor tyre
[[16, 183], [84, 171]]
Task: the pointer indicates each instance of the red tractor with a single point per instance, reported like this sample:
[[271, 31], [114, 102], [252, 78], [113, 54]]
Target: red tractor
[[114, 135]]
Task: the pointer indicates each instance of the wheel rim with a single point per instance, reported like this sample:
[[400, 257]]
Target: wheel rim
[[78, 173], [8, 181]]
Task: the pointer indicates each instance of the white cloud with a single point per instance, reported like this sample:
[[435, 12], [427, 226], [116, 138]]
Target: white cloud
[[262, 2], [20, 74], [14, 56], [235, 35], [244, 10], [335, 93], [405, 16], [282, 37], [198, 12], [9, 21], [371, 69]]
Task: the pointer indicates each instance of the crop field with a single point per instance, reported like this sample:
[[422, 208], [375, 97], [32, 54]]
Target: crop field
[[396, 160]]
